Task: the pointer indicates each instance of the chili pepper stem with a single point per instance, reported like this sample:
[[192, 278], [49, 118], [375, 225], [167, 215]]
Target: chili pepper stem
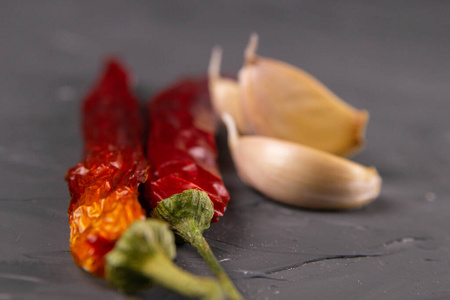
[[165, 274], [142, 257], [205, 251], [189, 215]]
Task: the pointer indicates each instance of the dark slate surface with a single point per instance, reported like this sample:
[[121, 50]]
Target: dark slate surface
[[390, 57]]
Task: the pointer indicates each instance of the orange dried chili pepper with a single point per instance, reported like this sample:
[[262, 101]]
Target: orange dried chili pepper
[[104, 186]]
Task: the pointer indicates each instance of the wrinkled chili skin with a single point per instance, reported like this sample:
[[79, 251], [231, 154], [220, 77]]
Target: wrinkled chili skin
[[104, 186], [181, 145]]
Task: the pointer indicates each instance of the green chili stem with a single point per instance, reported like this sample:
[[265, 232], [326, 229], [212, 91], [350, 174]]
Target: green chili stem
[[189, 215], [205, 251], [164, 273]]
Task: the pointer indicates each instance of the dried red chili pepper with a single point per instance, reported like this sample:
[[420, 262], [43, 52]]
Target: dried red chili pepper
[[104, 186], [186, 189], [181, 145]]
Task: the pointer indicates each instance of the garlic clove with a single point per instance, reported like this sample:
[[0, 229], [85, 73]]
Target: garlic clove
[[299, 175], [225, 92], [282, 101]]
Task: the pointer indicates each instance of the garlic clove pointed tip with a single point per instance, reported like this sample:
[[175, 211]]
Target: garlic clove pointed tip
[[252, 46], [215, 62], [362, 119], [232, 131]]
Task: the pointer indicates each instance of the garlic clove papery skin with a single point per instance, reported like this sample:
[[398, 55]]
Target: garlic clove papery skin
[[282, 101], [225, 92], [299, 175]]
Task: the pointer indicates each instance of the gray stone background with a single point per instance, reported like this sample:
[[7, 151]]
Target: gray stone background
[[389, 57]]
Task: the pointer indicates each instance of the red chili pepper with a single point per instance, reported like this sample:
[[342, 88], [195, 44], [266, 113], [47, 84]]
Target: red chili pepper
[[186, 188], [181, 145], [104, 186]]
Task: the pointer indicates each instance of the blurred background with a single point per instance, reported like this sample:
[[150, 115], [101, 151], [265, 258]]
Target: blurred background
[[389, 57]]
